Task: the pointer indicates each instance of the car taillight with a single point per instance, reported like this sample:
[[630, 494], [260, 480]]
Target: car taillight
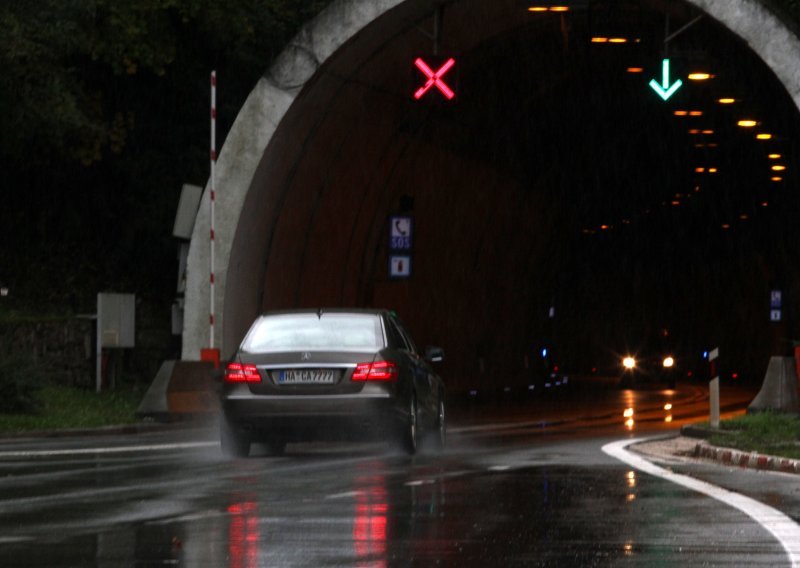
[[238, 373], [376, 371]]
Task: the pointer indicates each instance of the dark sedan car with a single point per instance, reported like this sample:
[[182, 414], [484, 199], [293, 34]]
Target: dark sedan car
[[330, 374]]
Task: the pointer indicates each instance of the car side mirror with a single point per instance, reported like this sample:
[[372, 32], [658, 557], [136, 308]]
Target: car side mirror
[[434, 354]]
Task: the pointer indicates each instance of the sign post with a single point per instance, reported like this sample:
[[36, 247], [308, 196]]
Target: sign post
[[713, 387]]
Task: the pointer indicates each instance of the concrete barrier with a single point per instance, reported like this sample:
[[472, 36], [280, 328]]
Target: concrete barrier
[[779, 391], [180, 389]]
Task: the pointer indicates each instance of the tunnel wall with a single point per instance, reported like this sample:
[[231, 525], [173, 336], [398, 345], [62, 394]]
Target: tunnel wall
[[244, 182]]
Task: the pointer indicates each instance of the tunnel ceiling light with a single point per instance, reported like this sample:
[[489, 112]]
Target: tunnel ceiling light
[[744, 217], [777, 179], [765, 204], [699, 170], [764, 136], [681, 113], [695, 113], [635, 70], [708, 132], [726, 101], [778, 168], [774, 156], [700, 76], [726, 226], [614, 40], [694, 131], [542, 8], [747, 123], [713, 170]]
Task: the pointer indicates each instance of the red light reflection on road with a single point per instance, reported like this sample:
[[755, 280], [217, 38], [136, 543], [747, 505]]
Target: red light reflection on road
[[243, 535], [369, 524]]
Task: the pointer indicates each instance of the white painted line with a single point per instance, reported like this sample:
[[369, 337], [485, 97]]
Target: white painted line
[[419, 482], [345, 495], [112, 450], [781, 526]]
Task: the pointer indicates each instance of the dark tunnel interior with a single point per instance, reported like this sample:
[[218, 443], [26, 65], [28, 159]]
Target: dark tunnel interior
[[558, 201]]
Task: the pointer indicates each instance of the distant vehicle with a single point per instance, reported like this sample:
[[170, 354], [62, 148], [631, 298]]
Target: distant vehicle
[[330, 374], [660, 368]]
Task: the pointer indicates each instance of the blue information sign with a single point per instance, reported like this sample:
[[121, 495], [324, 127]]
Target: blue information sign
[[400, 266], [401, 230]]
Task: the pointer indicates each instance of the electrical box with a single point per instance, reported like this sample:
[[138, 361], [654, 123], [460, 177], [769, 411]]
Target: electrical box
[[187, 211], [116, 320]]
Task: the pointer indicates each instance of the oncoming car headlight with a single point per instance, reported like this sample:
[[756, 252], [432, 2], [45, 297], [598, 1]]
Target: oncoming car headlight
[[629, 363], [668, 362]]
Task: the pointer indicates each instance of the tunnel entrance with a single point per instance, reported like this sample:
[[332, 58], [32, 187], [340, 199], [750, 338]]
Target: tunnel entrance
[[558, 202]]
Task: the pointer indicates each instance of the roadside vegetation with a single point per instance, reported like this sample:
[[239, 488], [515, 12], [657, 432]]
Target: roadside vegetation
[[58, 407], [766, 433], [30, 401]]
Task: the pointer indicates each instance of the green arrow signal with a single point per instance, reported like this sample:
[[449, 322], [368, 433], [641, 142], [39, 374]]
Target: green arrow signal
[[664, 90]]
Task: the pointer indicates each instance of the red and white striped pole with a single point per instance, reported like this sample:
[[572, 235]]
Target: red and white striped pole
[[211, 354], [212, 200]]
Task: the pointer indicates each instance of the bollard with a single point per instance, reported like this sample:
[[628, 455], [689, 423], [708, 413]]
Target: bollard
[[713, 388]]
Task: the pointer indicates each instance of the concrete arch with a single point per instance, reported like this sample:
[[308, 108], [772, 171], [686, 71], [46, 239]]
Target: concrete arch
[[241, 166]]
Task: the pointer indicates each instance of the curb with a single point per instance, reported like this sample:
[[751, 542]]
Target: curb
[[748, 460], [120, 430], [739, 458]]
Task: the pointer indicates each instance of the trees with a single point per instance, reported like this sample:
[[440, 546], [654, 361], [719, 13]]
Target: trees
[[105, 116]]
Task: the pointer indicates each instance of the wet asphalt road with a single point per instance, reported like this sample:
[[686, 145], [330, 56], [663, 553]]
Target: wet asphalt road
[[521, 484]]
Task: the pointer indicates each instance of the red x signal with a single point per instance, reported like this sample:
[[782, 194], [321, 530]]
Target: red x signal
[[434, 78]]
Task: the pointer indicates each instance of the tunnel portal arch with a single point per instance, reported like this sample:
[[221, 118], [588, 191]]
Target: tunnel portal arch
[[243, 173]]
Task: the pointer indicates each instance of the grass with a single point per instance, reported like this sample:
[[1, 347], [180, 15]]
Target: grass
[[766, 433], [63, 407]]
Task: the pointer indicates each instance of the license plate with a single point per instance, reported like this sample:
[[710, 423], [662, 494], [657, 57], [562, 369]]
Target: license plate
[[307, 377]]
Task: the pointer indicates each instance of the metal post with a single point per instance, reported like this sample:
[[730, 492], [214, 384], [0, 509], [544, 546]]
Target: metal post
[[713, 388], [99, 356]]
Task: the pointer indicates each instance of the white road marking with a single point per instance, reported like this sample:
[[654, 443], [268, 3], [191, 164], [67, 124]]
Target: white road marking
[[111, 450], [345, 495], [783, 528]]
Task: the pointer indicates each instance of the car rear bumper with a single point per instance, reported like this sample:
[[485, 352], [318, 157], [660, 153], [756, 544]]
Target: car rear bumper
[[310, 417]]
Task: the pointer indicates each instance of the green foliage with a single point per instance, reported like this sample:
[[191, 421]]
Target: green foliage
[[63, 407], [768, 433], [20, 381], [106, 117]]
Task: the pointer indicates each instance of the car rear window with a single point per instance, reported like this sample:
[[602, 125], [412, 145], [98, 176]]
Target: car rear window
[[308, 332]]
